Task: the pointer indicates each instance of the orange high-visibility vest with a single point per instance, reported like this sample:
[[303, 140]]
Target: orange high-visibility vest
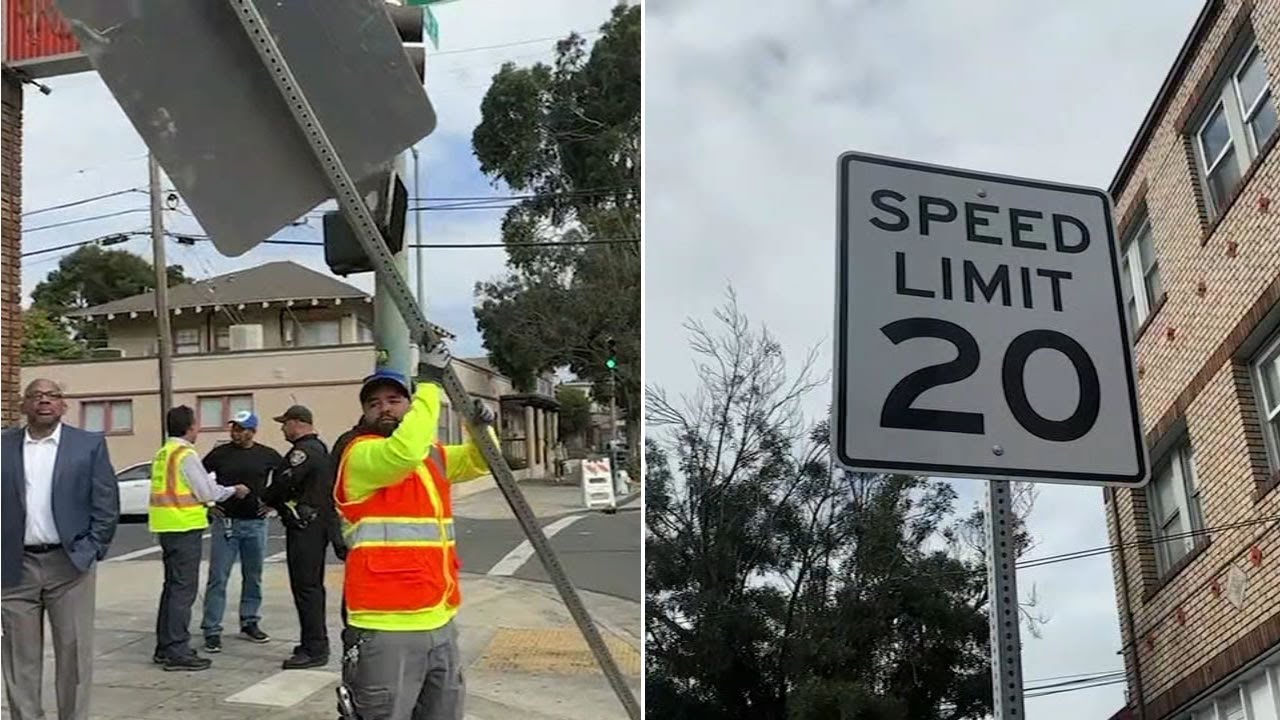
[[402, 562]]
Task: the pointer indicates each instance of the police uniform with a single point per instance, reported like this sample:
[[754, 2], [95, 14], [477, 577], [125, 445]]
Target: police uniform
[[302, 493]]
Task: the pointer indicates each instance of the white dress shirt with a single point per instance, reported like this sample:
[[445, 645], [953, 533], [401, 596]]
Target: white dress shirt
[[38, 457], [203, 486]]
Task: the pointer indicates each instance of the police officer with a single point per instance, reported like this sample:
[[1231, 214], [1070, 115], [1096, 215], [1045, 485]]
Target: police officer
[[302, 494]]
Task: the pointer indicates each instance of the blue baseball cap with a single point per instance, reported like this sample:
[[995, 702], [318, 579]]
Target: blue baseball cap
[[384, 377], [245, 419]]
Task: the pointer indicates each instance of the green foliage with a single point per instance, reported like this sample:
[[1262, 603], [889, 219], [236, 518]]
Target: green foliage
[[568, 135], [45, 339], [575, 411], [779, 589], [91, 276]]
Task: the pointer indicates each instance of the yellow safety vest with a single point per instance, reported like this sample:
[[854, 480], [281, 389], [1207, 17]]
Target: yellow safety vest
[[173, 508]]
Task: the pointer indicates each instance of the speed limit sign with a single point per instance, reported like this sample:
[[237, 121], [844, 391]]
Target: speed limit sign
[[980, 328]]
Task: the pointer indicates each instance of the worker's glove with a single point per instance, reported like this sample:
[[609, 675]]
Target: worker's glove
[[432, 363], [480, 412]]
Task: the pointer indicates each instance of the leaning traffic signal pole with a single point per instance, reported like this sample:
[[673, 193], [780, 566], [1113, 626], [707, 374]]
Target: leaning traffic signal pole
[[362, 222]]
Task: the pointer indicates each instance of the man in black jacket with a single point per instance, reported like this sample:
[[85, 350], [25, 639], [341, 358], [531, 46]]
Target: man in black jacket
[[238, 529], [302, 493]]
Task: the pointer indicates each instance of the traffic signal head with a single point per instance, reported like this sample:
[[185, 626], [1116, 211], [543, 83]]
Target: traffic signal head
[[388, 200], [409, 23], [612, 361]]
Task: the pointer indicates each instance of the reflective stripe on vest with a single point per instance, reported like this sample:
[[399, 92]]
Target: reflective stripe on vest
[[172, 506], [399, 531], [402, 566]]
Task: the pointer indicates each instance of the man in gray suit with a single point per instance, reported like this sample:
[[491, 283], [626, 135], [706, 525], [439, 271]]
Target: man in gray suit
[[59, 505]]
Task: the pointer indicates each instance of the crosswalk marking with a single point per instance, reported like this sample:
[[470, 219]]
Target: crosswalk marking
[[509, 564], [141, 553], [285, 689]]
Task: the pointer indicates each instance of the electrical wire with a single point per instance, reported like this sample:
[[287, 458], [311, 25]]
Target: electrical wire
[[500, 46], [84, 201], [77, 221]]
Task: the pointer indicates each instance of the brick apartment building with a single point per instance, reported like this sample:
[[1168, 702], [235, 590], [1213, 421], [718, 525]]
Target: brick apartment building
[[10, 247], [1197, 202]]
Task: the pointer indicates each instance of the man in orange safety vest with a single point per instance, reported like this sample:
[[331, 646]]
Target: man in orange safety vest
[[401, 591]]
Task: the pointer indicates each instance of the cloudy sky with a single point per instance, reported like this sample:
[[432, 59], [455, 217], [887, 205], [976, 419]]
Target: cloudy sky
[[79, 144], [746, 112]]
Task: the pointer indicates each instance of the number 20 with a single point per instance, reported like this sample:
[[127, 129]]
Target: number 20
[[898, 413]]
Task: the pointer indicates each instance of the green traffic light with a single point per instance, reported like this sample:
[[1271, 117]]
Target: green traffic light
[[611, 363]]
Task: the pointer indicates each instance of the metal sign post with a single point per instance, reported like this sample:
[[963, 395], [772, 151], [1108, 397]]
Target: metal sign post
[[394, 283], [1002, 589]]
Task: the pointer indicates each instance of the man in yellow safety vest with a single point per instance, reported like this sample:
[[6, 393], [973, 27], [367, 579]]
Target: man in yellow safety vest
[[181, 490], [401, 659]]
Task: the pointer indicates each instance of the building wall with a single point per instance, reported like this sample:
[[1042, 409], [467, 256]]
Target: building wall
[[326, 380], [10, 250], [1221, 279], [136, 337]]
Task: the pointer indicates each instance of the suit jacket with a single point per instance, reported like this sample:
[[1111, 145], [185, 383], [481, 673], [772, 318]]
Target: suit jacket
[[86, 499]]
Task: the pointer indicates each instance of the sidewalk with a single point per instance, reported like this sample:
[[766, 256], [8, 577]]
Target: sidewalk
[[482, 500], [526, 659]]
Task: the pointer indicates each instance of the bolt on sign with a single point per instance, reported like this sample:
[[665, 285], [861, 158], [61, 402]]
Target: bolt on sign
[[980, 328], [38, 41]]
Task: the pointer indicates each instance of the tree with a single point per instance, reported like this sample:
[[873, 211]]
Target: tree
[[575, 411], [91, 276], [779, 588], [567, 137], [45, 339]]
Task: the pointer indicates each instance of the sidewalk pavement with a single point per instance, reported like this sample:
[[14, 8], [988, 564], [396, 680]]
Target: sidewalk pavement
[[526, 658], [482, 500]]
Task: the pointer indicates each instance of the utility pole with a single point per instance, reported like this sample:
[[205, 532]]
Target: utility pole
[[419, 252], [164, 333]]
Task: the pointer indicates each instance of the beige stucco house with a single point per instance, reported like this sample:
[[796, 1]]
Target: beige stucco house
[[265, 338]]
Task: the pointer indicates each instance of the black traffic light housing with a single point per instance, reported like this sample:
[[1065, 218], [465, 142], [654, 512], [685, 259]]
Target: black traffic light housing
[[409, 23], [612, 361], [388, 201]]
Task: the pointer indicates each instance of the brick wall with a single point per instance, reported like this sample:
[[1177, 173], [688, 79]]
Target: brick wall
[[1221, 277], [10, 249]]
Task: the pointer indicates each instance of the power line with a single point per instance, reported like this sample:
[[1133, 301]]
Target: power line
[[505, 45], [92, 218], [87, 200]]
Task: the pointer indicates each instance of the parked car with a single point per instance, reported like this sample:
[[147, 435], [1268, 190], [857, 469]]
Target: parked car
[[135, 489]]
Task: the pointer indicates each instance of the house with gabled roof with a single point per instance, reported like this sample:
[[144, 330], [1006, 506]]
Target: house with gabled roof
[[264, 338]]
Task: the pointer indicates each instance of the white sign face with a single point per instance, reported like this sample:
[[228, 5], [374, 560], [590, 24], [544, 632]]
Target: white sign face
[[980, 329]]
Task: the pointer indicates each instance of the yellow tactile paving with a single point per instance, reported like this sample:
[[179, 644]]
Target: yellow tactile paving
[[560, 651]]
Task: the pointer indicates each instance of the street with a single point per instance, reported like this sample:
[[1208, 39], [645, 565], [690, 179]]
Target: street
[[525, 657], [600, 552]]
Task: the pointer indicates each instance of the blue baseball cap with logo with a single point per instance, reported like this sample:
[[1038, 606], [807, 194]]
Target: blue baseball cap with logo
[[384, 377], [245, 419]]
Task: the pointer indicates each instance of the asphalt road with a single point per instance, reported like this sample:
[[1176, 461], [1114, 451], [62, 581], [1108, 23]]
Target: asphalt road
[[600, 552]]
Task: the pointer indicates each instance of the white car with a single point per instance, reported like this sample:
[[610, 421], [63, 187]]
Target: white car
[[135, 489]]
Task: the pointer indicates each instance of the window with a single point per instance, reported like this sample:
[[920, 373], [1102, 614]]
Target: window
[[186, 341], [213, 412], [1238, 123], [314, 333], [1250, 698], [1140, 276], [1266, 378], [222, 338], [364, 333], [107, 416], [141, 471], [443, 425], [1175, 507]]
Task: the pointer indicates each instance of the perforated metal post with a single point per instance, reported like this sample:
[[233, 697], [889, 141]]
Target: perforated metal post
[[1002, 585], [393, 283]]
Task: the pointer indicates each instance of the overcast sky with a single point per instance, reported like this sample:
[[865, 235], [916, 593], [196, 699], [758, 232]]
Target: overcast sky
[[748, 108], [78, 144]]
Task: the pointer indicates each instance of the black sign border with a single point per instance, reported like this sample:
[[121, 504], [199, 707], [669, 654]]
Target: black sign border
[[845, 164]]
